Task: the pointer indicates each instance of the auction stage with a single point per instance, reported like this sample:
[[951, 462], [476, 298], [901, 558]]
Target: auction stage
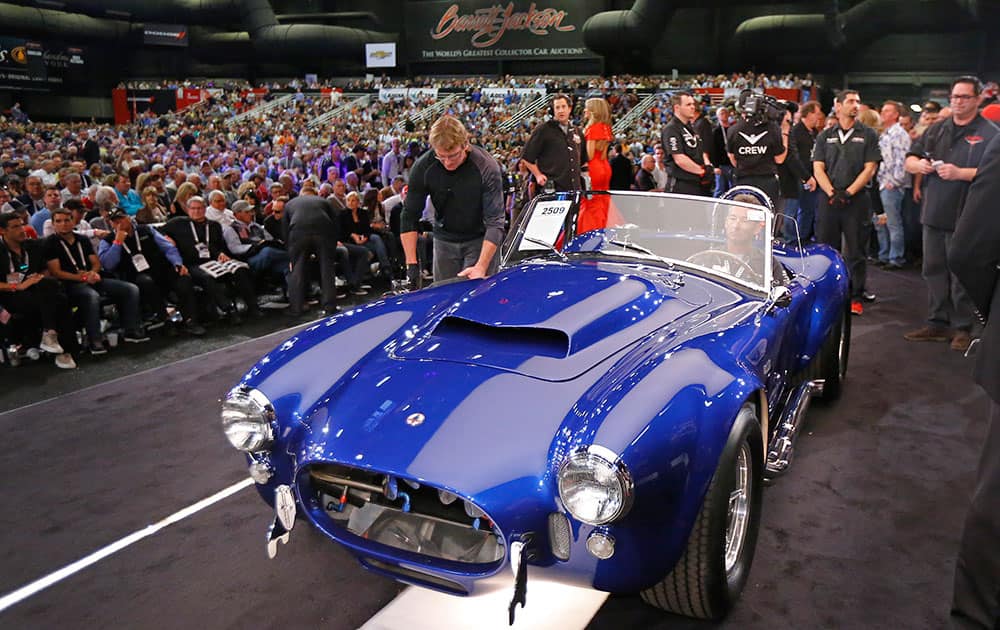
[[106, 522]]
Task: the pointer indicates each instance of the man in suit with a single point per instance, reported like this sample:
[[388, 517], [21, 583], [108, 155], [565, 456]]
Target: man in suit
[[974, 258]]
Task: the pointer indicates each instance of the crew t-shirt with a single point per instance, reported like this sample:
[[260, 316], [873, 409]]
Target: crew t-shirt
[[845, 152], [754, 147]]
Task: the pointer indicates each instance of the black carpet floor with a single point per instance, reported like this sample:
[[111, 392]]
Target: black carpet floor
[[861, 533]]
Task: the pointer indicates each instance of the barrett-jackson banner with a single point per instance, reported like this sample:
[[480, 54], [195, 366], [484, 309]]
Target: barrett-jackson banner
[[468, 30]]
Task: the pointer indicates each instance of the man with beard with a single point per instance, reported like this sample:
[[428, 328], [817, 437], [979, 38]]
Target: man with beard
[[845, 159], [553, 153]]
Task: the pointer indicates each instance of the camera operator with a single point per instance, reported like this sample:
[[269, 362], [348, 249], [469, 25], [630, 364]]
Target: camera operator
[[690, 171], [758, 142]]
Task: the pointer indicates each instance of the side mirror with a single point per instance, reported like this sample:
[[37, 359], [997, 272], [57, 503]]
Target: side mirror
[[780, 297]]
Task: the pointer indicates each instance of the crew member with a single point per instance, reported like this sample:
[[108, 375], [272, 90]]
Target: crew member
[[845, 158], [947, 156], [691, 172], [975, 260], [466, 189], [756, 146], [312, 227], [553, 153]]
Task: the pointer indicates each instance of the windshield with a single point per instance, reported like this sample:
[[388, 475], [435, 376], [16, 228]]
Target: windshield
[[730, 239]]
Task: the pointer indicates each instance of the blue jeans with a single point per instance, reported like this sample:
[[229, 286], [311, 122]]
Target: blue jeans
[[87, 298], [891, 240], [803, 210], [724, 181], [269, 260], [375, 245]]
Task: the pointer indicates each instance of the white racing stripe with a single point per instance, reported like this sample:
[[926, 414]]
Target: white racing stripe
[[548, 605], [43, 583]]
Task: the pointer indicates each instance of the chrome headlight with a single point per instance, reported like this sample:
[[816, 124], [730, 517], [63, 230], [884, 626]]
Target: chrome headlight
[[247, 417], [595, 486]]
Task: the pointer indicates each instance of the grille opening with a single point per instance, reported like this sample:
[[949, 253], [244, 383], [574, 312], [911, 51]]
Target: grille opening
[[546, 342], [407, 573], [416, 520]]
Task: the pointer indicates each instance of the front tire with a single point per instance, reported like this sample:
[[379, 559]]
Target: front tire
[[831, 364], [711, 574]]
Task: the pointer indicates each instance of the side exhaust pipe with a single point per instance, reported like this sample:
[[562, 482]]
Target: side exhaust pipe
[[782, 446]]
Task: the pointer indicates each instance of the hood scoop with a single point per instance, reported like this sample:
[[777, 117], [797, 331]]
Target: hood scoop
[[521, 340], [551, 321]]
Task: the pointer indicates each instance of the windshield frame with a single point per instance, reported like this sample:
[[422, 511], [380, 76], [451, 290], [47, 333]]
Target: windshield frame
[[512, 255]]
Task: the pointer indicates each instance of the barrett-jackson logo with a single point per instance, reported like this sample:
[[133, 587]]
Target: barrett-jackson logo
[[489, 25]]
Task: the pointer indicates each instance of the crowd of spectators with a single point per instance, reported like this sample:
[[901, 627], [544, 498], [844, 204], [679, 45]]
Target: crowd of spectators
[[238, 172]]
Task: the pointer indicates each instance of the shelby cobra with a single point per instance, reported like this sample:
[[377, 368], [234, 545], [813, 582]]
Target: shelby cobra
[[604, 409]]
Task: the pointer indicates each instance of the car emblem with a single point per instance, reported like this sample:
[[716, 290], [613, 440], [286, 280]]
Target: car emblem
[[284, 506], [415, 419]]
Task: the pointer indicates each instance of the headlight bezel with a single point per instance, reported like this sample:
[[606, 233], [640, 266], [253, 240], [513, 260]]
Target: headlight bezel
[[263, 416], [598, 456]]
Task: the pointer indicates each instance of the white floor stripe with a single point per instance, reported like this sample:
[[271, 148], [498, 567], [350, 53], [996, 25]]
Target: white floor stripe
[[43, 583], [549, 605]]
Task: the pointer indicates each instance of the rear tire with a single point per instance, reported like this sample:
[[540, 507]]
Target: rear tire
[[708, 579]]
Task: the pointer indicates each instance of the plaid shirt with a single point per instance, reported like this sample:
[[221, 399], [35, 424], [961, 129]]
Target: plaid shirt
[[894, 143]]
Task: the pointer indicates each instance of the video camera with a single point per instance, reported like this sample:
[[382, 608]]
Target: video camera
[[759, 108]]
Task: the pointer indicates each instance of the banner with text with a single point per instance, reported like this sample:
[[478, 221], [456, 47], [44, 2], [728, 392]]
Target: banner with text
[[470, 30], [165, 35], [395, 94]]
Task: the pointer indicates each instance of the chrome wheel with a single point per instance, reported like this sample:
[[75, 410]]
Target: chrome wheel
[[738, 519]]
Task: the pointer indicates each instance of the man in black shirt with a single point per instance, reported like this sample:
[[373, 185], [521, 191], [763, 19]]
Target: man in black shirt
[[621, 168], [142, 256], [644, 178], [27, 293], [312, 227], [466, 189], [554, 152], [690, 171], [200, 241], [358, 164], [756, 146], [845, 159], [975, 260], [73, 261], [947, 156], [799, 162]]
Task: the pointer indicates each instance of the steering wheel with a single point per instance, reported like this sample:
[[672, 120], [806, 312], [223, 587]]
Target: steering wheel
[[705, 256]]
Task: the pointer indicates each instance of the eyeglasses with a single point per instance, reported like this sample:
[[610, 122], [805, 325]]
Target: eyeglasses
[[448, 157], [962, 97]]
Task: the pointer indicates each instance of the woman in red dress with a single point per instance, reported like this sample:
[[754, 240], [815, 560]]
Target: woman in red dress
[[594, 210]]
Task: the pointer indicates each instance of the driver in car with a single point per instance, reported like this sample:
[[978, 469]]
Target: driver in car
[[744, 255]]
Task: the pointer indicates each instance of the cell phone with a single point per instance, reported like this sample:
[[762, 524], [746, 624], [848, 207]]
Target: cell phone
[[936, 163]]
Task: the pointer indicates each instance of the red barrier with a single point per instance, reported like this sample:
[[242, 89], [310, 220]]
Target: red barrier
[[119, 102], [186, 97]]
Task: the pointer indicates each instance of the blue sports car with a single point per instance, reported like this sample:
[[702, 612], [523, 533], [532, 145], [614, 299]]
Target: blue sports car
[[601, 412]]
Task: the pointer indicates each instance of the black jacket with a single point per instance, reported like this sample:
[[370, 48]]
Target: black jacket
[[974, 259], [179, 229], [310, 214]]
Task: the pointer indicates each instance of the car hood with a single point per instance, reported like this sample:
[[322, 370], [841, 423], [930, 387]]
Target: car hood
[[554, 320]]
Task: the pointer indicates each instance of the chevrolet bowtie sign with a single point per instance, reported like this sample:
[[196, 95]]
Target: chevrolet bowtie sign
[[380, 55]]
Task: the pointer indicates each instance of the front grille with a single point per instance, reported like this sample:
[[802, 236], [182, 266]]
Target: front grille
[[404, 514], [412, 575]]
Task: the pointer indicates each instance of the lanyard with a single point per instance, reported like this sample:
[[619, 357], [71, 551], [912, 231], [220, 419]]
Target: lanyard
[[24, 261], [195, 234], [79, 248], [138, 245]]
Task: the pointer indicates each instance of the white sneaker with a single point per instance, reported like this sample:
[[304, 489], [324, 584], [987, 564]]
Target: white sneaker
[[340, 281], [374, 267], [64, 361], [50, 342]]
